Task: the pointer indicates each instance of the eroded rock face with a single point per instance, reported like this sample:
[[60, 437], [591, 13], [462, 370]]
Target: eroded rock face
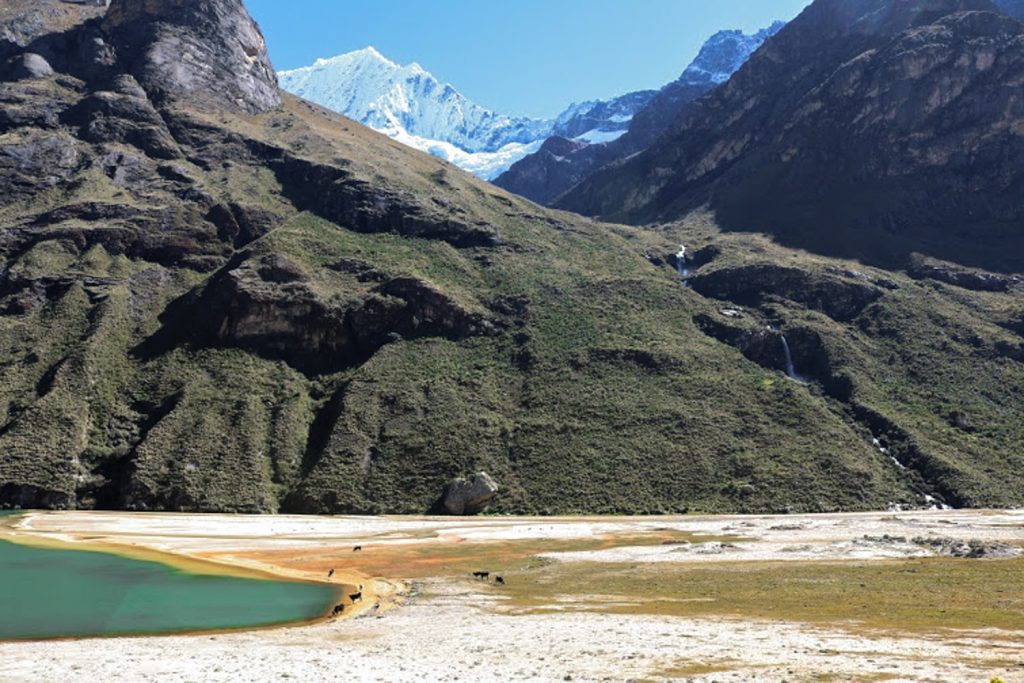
[[757, 343], [23, 21], [840, 299], [332, 193], [268, 306], [38, 161], [471, 497], [125, 116], [978, 281], [204, 50]]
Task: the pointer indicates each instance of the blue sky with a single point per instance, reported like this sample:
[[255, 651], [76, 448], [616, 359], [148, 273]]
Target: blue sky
[[521, 57]]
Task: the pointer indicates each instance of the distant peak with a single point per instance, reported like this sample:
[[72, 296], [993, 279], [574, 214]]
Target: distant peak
[[369, 57], [366, 54], [725, 52], [369, 54]]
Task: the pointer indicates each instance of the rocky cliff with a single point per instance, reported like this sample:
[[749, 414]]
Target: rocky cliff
[[210, 51], [868, 129]]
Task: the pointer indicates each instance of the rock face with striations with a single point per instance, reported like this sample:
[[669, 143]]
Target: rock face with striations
[[865, 128], [211, 50]]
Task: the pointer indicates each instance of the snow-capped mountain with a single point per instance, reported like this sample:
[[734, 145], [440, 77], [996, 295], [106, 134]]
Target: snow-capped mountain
[[366, 86], [724, 53], [601, 121], [410, 105]]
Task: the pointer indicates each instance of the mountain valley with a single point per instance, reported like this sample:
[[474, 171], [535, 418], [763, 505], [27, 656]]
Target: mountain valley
[[217, 296]]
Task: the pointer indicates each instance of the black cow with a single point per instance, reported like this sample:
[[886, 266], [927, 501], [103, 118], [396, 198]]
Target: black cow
[[499, 580], [338, 609], [482, 575], [357, 549], [330, 574], [356, 597]]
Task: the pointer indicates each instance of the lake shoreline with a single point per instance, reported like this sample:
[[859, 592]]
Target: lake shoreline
[[12, 532], [594, 598]]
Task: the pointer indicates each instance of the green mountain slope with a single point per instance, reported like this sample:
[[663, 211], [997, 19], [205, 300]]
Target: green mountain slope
[[234, 304]]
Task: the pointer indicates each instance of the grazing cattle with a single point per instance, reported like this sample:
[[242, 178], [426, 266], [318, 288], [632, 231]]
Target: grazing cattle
[[499, 579], [356, 597], [330, 574], [338, 609], [357, 549], [482, 575]]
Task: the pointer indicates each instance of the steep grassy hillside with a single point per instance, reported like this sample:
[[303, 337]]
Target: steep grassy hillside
[[246, 306]]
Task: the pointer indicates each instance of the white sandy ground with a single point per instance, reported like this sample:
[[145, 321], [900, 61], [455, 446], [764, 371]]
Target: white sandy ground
[[456, 629]]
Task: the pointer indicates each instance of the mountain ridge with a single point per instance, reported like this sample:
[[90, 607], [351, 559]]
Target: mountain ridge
[[409, 104], [799, 127], [544, 176]]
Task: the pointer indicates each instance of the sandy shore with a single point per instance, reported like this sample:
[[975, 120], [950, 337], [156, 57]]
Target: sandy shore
[[456, 628]]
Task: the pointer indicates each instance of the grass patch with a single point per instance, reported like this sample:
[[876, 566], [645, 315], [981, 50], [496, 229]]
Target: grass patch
[[921, 595]]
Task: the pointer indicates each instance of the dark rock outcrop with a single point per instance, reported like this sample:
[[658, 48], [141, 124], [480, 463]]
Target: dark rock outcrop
[[334, 194], [758, 344], [470, 497], [23, 22], [240, 224], [838, 298], [38, 161], [267, 305], [961, 277], [124, 115], [28, 497]]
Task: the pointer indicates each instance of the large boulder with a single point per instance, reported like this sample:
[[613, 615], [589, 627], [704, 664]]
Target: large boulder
[[28, 66], [464, 497]]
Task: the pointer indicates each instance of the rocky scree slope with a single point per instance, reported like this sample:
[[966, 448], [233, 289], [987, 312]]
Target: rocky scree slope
[[867, 129], [215, 297]]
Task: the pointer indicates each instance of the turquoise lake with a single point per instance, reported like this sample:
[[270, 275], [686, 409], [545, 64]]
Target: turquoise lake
[[48, 593]]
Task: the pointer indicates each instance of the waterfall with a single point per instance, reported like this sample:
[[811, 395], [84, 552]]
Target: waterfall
[[790, 367], [935, 504], [684, 272], [887, 453]]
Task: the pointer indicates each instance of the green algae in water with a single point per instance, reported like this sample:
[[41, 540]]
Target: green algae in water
[[46, 593]]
